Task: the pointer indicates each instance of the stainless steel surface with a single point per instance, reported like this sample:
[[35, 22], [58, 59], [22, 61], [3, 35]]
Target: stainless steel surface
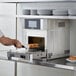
[[26, 12], [26, 55], [44, 12], [72, 12], [39, 59], [33, 12], [60, 12], [57, 63]]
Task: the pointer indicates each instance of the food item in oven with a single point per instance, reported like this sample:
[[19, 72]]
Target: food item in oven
[[72, 58], [34, 45]]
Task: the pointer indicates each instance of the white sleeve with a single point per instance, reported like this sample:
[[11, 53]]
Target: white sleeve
[[1, 34]]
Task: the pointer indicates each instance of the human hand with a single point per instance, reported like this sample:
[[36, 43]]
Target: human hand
[[17, 43]]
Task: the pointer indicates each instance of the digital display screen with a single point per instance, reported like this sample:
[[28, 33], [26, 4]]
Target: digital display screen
[[32, 24]]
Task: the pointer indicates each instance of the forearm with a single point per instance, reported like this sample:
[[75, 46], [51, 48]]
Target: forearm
[[6, 41]]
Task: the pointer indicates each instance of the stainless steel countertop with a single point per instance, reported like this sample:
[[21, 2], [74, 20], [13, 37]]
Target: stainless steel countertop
[[56, 63], [61, 63]]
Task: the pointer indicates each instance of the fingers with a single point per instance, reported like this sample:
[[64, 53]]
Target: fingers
[[17, 44]]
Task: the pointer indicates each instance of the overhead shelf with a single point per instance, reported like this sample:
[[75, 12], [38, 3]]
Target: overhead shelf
[[45, 17]]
